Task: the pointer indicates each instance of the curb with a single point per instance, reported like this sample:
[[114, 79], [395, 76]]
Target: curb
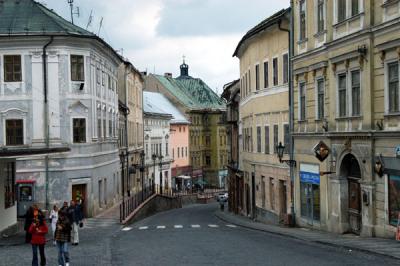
[[216, 214]]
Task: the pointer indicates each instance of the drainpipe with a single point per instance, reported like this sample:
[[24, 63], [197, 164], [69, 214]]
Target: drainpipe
[[291, 110], [46, 119]]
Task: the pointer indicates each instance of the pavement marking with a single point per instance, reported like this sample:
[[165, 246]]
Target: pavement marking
[[195, 226], [213, 225], [231, 225], [127, 229], [143, 227], [178, 226], [160, 226]]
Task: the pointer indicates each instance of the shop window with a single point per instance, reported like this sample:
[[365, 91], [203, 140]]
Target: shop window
[[9, 185], [14, 132], [12, 68], [77, 68], [394, 199]]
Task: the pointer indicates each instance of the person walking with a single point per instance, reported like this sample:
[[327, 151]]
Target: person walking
[[75, 216], [63, 236], [53, 219], [38, 230]]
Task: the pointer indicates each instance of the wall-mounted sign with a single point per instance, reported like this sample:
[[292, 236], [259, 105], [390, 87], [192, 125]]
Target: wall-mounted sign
[[321, 151], [397, 152], [311, 178]]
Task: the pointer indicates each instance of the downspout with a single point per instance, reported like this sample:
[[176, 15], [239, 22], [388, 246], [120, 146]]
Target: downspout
[[291, 110], [46, 119]]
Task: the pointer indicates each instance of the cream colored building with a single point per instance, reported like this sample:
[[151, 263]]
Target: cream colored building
[[264, 117], [346, 94]]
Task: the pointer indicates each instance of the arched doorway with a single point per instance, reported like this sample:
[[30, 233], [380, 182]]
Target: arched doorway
[[351, 170]]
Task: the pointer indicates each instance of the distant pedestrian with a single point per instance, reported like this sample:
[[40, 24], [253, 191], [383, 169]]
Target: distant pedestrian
[[53, 219], [63, 236], [65, 206], [75, 217], [38, 229]]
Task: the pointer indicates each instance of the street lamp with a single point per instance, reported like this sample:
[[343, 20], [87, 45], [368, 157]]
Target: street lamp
[[154, 158], [280, 149], [160, 169], [142, 172]]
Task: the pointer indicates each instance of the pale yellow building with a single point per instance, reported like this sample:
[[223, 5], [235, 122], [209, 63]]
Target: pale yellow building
[[264, 118], [346, 94]]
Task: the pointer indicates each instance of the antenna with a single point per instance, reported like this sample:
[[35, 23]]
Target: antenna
[[90, 19], [101, 24]]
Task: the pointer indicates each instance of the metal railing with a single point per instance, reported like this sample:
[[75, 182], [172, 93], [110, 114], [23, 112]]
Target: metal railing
[[130, 204]]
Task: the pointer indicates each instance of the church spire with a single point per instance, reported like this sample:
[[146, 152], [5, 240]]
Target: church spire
[[184, 68]]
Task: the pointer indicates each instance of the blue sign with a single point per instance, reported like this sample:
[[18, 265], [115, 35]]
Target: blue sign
[[307, 177]]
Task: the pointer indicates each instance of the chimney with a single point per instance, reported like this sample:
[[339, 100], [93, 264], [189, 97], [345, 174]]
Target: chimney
[[168, 75]]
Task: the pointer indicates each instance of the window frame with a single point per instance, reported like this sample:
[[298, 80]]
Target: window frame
[[320, 5], [338, 89], [14, 129], [275, 71], [259, 139], [320, 106], [302, 115], [389, 213], [285, 70], [339, 16], [79, 76], [267, 140], [352, 87], [13, 72], [276, 137], [73, 130], [257, 73], [388, 110], [302, 20], [286, 137], [266, 74]]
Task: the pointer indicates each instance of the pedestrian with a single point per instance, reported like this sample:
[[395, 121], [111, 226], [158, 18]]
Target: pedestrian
[[38, 229], [65, 206], [53, 219], [75, 216], [28, 221], [63, 236]]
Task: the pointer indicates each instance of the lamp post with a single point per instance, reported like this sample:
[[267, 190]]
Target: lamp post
[[160, 169], [154, 158], [142, 172], [292, 163]]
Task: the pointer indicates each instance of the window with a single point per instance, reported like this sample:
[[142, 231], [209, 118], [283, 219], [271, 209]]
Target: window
[[208, 140], [266, 136], [355, 92], [178, 152], [99, 128], [285, 70], [394, 199], [166, 149], [173, 153], [275, 71], [354, 7], [302, 20], [249, 81], [12, 68], [109, 82], [320, 16], [257, 77], [79, 130], [276, 137], [393, 93], [341, 10], [258, 139], [110, 128], [266, 75], [98, 75], [320, 98], [310, 201], [208, 160], [271, 193], [342, 94], [105, 129], [14, 132], [77, 68], [302, 102], [186, 153], [286, 137], [103, 78], [9, 185]]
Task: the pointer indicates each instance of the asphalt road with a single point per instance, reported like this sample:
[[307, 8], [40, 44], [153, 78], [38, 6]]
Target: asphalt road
[[189, 236], [194, 236]]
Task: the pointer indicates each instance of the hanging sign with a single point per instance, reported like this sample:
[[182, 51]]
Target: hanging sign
[[321, 151]]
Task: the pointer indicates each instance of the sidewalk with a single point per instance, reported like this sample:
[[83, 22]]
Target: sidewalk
[[380, 246]]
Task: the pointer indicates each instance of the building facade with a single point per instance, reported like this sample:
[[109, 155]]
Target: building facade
[[206, 113], [346, 115], [264, 117], [157, 141], [58, 88], [130, 95], [235, 182]]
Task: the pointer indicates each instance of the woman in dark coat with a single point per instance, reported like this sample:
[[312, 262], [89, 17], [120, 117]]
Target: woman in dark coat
[[63, 236]]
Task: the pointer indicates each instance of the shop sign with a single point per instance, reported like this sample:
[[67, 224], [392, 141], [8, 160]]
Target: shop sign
[[311, 178], [397, 152], [321, 151]]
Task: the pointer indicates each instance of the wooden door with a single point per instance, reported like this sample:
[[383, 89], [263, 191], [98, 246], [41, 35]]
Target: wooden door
[[354, 206], [79, 192]]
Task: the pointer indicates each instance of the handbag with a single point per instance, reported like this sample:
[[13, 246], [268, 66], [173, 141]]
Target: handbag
[[80, 224]]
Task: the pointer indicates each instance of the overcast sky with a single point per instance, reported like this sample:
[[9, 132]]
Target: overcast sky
[[154, 34]]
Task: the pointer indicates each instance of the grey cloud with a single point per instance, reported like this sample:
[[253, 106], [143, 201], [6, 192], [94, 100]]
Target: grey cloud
[[212, 17]]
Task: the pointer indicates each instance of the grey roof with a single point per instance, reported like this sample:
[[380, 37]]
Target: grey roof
[[157, 103]]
